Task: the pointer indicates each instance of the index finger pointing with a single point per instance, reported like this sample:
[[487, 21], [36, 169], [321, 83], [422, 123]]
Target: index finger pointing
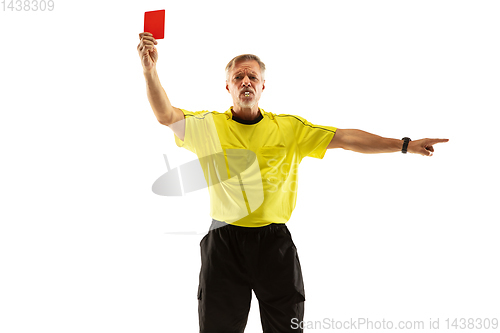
[[433, 141]]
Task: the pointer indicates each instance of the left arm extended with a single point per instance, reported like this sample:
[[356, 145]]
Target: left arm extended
[[367, 143]]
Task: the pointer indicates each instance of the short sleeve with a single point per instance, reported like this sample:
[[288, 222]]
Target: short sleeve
[[187, 122], [200, 135], [312, 139]]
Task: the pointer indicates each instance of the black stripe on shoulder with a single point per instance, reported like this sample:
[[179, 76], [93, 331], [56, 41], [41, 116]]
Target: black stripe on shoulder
[[289, 115], [200, 116]]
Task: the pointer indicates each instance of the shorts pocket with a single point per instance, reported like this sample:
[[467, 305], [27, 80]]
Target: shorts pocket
[[299, 282], [204, 237], [290, 237], [200, 290], [300, 297]]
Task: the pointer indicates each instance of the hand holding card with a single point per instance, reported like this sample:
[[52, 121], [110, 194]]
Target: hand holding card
[[154, 22]]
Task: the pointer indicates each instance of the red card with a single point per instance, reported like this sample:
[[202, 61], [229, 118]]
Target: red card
[[154, 22]]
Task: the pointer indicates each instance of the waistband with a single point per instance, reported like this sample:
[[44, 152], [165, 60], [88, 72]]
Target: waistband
[[219, 224]]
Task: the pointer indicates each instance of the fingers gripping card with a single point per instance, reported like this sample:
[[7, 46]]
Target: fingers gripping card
[[154, 22]]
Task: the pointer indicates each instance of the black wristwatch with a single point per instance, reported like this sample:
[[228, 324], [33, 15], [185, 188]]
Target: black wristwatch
[[405, 145]]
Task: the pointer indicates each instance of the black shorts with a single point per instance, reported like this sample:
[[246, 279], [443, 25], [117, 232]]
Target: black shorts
[[235, 261]]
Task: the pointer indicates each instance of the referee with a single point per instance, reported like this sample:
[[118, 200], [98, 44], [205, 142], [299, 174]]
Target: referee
[[250, 161]]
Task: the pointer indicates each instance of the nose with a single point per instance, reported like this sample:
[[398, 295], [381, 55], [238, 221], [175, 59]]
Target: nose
[[246, 81]]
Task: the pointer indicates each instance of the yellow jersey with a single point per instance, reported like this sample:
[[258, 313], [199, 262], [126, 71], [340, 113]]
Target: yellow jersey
[[251, 168]]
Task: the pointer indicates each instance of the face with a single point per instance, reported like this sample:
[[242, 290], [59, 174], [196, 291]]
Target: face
[[245, 76]]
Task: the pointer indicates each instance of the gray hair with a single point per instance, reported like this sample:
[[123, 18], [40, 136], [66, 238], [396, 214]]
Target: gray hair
[[244, 57]]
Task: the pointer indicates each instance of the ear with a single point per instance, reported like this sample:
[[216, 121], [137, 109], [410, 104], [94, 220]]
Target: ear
[[263, 85], [227, 87]]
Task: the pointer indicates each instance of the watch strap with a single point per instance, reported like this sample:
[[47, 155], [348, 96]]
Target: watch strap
[[405, 144]]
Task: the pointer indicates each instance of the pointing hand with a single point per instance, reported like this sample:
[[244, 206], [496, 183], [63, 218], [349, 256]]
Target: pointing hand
[[424, 147]]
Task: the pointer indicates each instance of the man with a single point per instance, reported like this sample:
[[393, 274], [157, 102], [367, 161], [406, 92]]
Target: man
[[251, 171]]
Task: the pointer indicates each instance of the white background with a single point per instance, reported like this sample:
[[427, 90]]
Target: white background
[[84, 243]]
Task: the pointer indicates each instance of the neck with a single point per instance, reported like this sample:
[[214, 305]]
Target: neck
[[246, 113]]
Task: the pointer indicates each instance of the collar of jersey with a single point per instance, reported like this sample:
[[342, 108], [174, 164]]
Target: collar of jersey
[[229, 115]]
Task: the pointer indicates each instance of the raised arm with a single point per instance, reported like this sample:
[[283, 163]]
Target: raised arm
[[165, 113], [367, 143]]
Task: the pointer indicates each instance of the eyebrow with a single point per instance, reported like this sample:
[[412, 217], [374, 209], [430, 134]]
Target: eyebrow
[[239, 73]]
